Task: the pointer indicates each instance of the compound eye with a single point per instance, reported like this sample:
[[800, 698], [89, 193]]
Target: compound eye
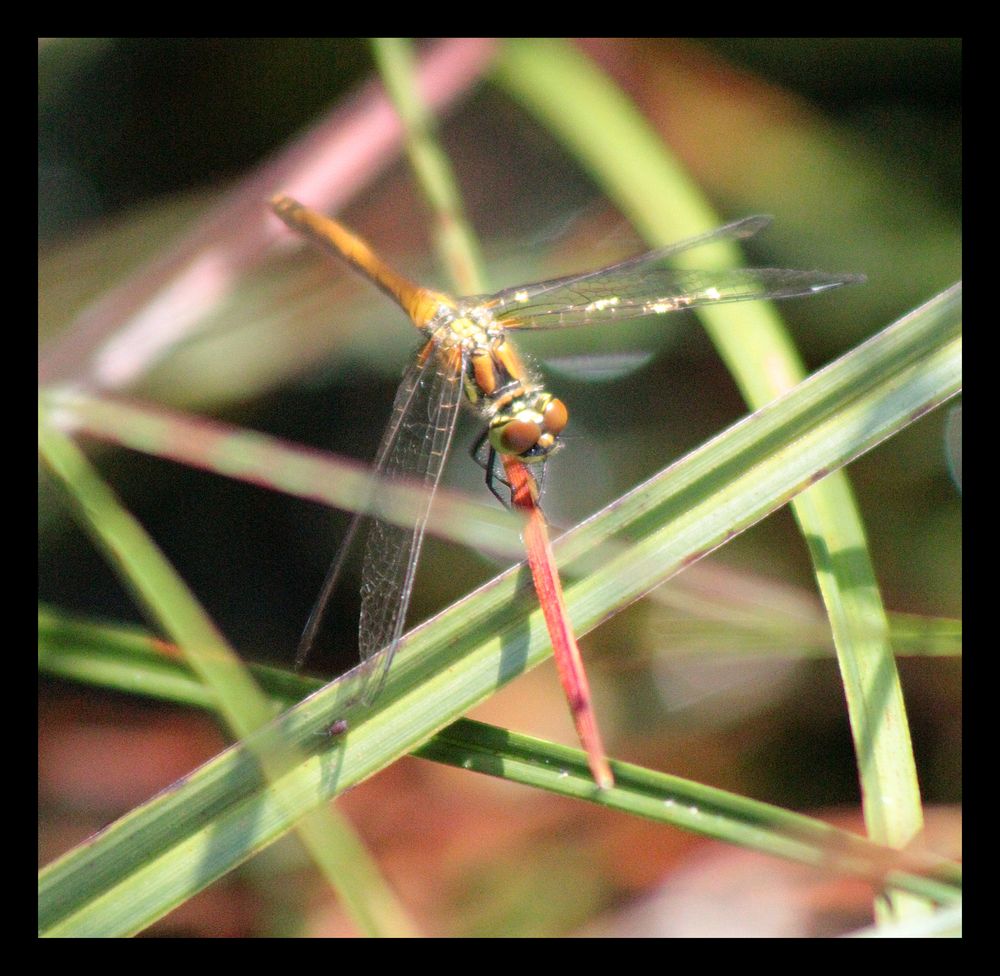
[[556, 416], [519, 436]]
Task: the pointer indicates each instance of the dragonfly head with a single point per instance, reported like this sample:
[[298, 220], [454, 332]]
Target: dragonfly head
[[529, 428]]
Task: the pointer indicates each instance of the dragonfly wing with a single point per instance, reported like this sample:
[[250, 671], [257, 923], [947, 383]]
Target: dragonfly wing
[[407, 391], [651, 289], [513, 298], [424, 384], [415, 447], [645, 285], [318, 612]]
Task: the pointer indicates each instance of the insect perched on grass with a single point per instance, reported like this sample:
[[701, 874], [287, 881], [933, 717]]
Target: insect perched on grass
[[466, 352]]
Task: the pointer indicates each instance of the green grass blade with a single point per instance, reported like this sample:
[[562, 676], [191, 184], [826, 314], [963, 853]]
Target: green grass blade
[[559, 769], [75, 908], [456, 244]]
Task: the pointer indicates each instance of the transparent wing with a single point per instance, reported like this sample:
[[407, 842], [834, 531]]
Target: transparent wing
[[414, 446], [402, 404], [644, 285]]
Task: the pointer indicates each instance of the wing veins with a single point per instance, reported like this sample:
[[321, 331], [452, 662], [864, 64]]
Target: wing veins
[[392, 552], [643, 285], [401, 404]]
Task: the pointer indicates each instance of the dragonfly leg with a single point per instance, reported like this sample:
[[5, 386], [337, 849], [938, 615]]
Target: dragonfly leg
[[492, 468], [491, 465], [476, 450], [492, 478]]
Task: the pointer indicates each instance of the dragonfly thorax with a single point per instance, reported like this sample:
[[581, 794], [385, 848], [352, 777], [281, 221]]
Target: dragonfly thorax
[[524, 420]]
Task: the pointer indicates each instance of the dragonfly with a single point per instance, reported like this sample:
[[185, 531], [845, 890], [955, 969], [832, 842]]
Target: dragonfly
[[467, 356]]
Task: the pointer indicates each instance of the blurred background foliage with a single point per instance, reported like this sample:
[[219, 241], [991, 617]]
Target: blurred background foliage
[[853, 144]]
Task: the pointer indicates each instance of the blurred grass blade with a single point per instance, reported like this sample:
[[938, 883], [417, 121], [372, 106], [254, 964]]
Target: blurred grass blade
[[259, 459], [943, 924], [456, 244], [70, 902]]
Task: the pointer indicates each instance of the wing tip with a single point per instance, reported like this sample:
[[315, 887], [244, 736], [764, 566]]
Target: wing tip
[[838, 281], [748, 226]]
